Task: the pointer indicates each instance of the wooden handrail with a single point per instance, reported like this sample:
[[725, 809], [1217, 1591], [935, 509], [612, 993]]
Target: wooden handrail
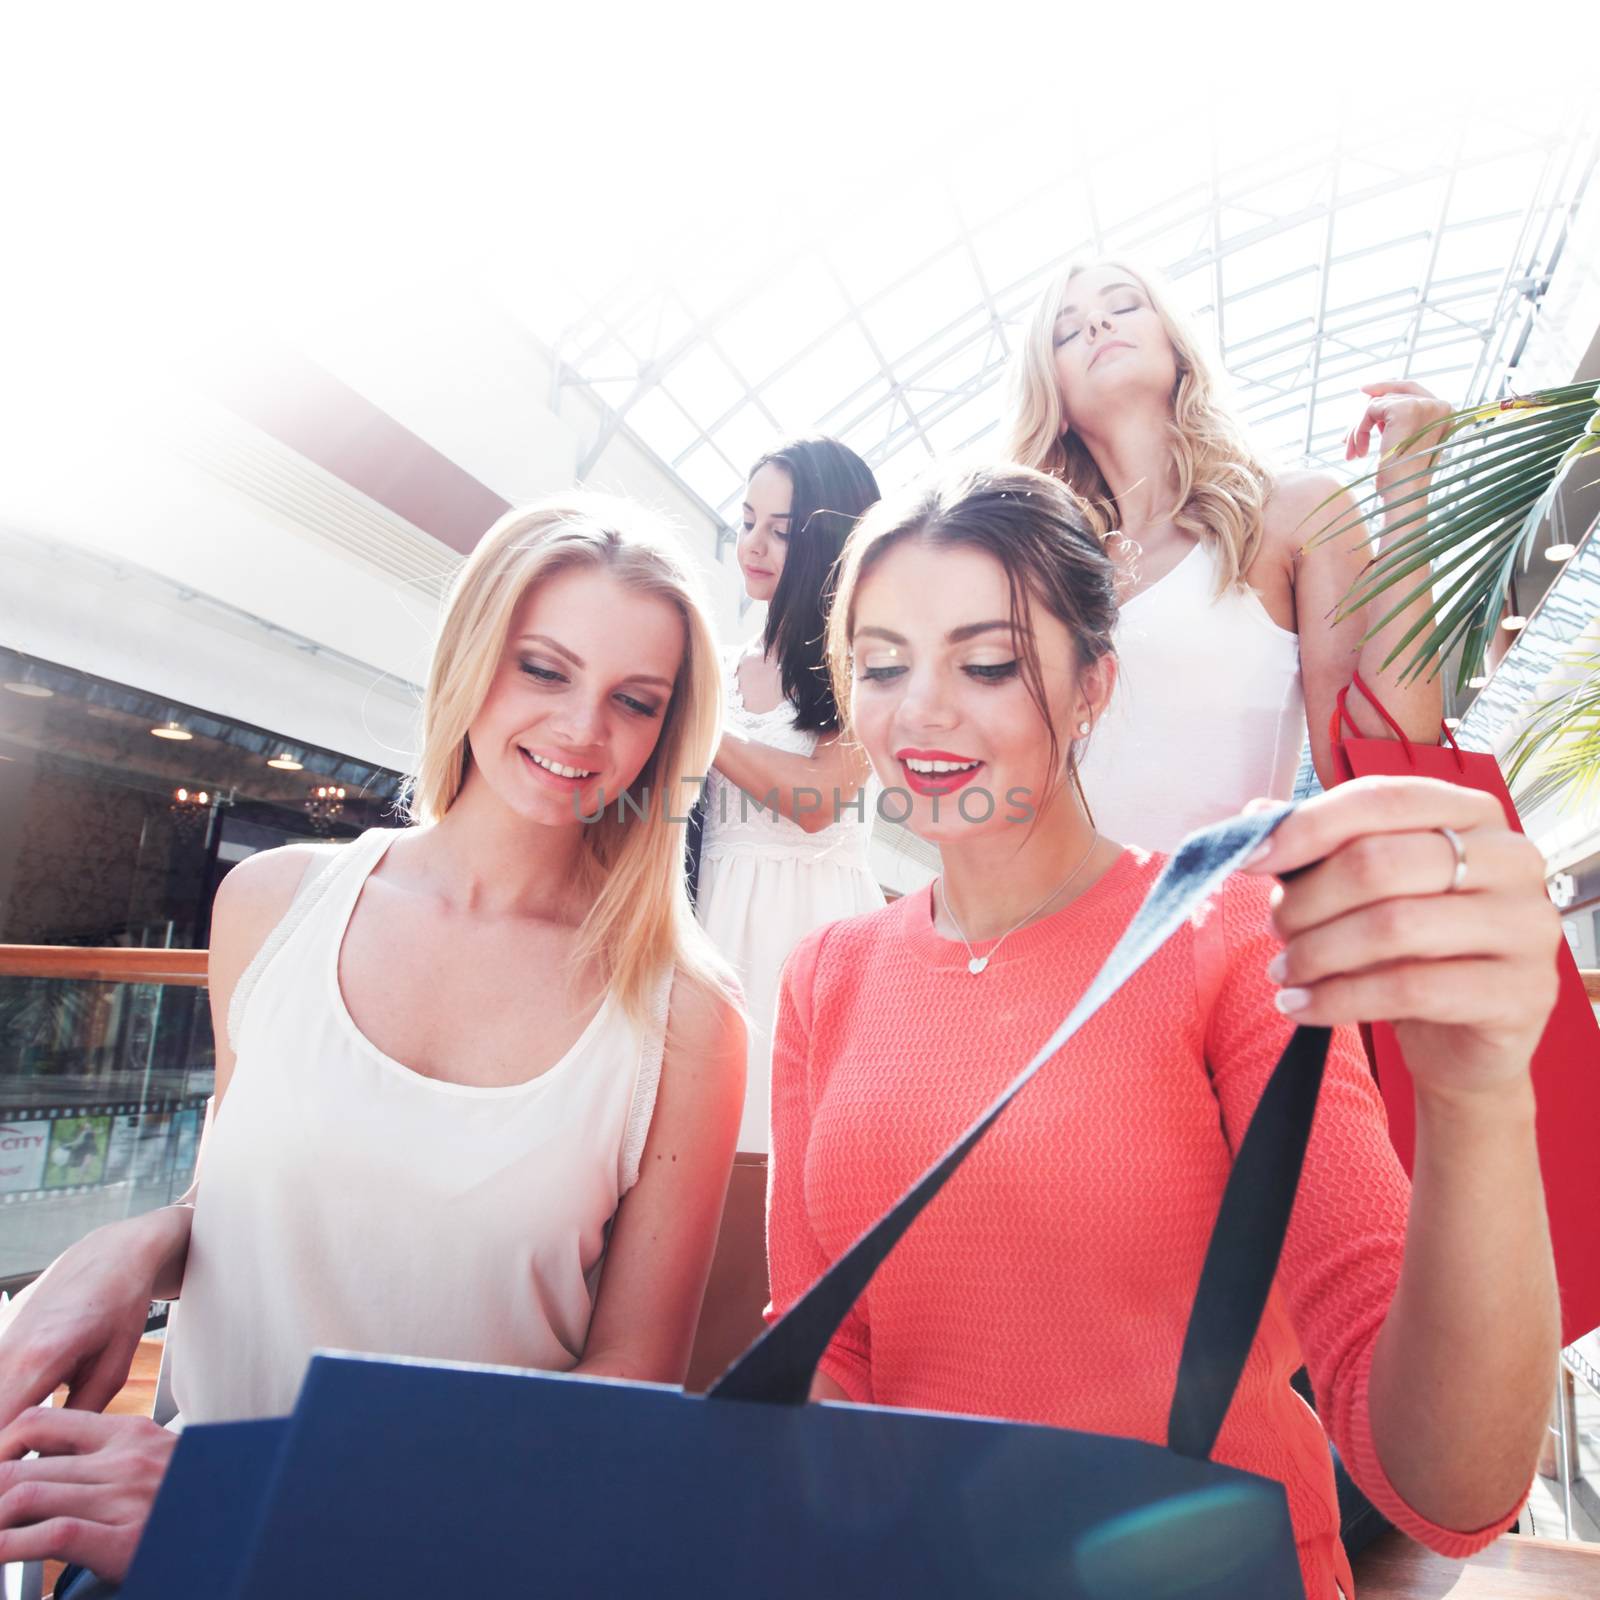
[[113, 964], [188, 967]]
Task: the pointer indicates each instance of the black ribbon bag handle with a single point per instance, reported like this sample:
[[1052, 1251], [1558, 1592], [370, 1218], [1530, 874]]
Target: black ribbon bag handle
[[1252, 1220]]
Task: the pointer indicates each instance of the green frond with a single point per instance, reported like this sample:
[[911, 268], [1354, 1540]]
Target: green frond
[[1461, 531], [1558, 750]]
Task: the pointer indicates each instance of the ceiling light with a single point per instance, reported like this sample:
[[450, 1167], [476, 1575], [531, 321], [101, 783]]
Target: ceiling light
[[1479, 681], [1513, 624], [172, 730], [1452, 723], [1560, 552], [323, 804], [34, 691], [284, 762]]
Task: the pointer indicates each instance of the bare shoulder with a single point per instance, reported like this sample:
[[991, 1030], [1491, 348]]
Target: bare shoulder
[[269, 879], [1308, 503], [1299, 504], [702, 1068], [704, 1025], [256, 895]]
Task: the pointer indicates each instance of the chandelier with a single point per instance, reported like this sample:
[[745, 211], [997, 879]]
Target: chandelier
[[323, 804], [188, 807]]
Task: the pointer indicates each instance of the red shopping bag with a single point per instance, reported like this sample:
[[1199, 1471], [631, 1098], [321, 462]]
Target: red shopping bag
[[1566, 1066]]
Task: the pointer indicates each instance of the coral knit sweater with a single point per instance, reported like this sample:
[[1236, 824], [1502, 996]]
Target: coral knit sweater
[[1051, 1280]]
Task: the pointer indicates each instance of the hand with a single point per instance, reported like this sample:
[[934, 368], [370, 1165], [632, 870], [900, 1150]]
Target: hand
[[87, 1496], [81, 1323], [1399, 410], [1372, 931]]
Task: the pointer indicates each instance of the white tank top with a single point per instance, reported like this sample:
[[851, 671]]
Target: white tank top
[[347, 1202], [1208, 710]]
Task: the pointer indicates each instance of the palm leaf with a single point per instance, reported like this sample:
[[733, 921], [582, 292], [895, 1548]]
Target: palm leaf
[[1462, 531], [1430, 511], [1558, 749], [1480, 470]]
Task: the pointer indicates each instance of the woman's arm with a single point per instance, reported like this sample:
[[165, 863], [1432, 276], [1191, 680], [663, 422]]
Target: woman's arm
[[1461, 1367], [1323, 574], [1398, 412], [811, 790], [86, 1494], [81, 1320], [1331, 648], [659, 1256]]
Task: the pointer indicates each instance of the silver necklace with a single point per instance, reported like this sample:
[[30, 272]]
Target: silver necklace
[[975, 962]]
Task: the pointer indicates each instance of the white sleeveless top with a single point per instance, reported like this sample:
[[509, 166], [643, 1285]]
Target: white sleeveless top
[[347, 1202], [1208, 710]]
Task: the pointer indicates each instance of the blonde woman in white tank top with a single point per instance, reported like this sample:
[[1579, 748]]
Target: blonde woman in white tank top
[[478, 1081], [1229, 647]]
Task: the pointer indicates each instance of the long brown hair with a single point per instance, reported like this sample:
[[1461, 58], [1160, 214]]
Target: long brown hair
[[1034, 527], [831, 487]]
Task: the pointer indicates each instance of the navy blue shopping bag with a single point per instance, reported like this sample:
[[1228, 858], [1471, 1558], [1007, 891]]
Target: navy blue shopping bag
[[414, 1479]]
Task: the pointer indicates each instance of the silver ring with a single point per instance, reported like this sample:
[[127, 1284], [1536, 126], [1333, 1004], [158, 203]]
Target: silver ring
[[1458, 878]]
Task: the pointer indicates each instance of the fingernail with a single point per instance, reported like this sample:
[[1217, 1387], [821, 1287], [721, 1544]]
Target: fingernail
[[1278, 966], [1292, 999], [1260, 853]]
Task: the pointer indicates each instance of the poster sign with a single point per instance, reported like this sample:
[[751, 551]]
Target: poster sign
[[77, 1153], [22, 1148]]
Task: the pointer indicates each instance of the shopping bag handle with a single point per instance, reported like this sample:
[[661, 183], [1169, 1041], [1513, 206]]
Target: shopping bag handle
[[1242, 1256], [1341, 719]]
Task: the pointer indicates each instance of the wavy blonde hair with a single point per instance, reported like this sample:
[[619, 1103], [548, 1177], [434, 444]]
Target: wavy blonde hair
[[1222, 484], [640, 921]]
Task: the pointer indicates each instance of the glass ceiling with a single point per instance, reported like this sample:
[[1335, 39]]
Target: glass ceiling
[[1315, 263]]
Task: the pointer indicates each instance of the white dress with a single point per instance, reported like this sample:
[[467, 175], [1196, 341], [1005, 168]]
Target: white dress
[[765, 882], [1208, 711]]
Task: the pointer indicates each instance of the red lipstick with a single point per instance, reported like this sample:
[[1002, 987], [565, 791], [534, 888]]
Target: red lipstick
[[936, 783]]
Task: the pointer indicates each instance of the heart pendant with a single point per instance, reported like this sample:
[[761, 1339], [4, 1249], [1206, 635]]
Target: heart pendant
[[977, 964]]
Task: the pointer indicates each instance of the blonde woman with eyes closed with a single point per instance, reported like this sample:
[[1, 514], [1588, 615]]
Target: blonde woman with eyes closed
[[1229, 643], [478, 1080]]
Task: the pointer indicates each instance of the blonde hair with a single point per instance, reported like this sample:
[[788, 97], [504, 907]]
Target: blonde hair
[[632, 865], [1222, 485]]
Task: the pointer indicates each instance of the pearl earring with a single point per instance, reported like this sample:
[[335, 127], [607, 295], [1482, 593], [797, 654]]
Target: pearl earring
[[1083, 728]]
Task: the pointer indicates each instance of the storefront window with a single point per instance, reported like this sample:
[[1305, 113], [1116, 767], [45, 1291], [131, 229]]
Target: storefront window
[[119, 816]]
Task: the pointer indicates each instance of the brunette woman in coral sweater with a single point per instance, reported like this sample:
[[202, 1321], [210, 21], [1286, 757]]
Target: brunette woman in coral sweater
[[1052, 1280]]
